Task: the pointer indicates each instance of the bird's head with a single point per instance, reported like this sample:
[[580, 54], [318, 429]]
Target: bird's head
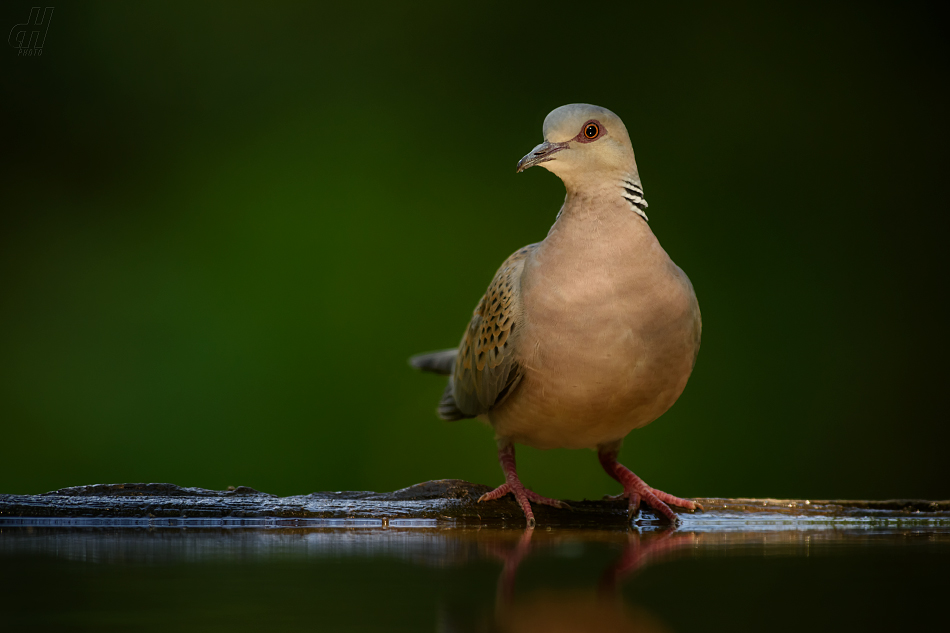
[[583, 143]]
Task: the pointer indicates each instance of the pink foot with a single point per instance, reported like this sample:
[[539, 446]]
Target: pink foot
[[533, 497], [513, 485], [635, 489]]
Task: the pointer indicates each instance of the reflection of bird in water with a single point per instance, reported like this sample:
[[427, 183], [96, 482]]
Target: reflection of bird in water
[[586, 335], [592, 609], [574, 612]]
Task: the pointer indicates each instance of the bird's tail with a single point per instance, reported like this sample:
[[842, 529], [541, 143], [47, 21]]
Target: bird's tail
[[441, 362]]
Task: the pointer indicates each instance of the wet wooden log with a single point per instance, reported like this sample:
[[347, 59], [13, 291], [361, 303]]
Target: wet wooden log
[[443, 502]]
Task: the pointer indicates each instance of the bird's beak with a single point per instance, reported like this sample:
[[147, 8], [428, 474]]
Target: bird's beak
[[540, 154]]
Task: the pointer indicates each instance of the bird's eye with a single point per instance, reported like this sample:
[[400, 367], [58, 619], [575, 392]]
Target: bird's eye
[[592, 130]]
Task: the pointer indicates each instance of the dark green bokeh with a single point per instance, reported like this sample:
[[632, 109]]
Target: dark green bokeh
[[225, 228]]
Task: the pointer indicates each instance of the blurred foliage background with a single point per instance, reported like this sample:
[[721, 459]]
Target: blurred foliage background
[[226, 226]]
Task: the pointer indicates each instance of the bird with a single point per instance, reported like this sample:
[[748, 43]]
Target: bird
[[586, 335]]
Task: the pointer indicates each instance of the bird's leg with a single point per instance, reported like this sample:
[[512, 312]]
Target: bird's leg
[[506, 455], [635, 489]]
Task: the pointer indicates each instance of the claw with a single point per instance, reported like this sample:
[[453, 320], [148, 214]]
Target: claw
[[532, 496], [513, 485], [635, 489]]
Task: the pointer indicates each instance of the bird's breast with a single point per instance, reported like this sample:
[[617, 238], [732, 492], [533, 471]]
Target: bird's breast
[[610, 336]]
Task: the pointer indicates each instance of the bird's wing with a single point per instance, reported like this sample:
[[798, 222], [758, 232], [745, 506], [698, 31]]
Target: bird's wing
[[486, 371]]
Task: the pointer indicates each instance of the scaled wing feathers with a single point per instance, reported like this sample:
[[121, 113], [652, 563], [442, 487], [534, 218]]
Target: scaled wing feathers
[[486, 370]]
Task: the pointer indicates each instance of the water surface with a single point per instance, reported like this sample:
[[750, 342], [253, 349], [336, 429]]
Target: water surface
[[765, 578]]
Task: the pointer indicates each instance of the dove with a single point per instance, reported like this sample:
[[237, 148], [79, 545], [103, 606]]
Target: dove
[[586, 335]]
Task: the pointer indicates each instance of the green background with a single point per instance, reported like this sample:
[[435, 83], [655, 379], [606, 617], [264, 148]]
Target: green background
[[225, 228]]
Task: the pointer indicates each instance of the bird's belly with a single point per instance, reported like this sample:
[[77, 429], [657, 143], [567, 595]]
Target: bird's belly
[[600, 377]]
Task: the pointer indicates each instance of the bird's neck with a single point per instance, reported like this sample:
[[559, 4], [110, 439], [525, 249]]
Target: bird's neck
[[602, 221], [621, 188], [598, 247], [616, 196]]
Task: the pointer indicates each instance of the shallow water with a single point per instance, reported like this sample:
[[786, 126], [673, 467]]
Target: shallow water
[[765, 578]]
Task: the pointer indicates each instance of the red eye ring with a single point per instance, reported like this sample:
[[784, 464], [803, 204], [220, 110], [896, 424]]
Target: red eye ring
[[591, 131]]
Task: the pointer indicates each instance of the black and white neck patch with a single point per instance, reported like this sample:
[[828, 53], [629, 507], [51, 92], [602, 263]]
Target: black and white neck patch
[[633, 193]]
